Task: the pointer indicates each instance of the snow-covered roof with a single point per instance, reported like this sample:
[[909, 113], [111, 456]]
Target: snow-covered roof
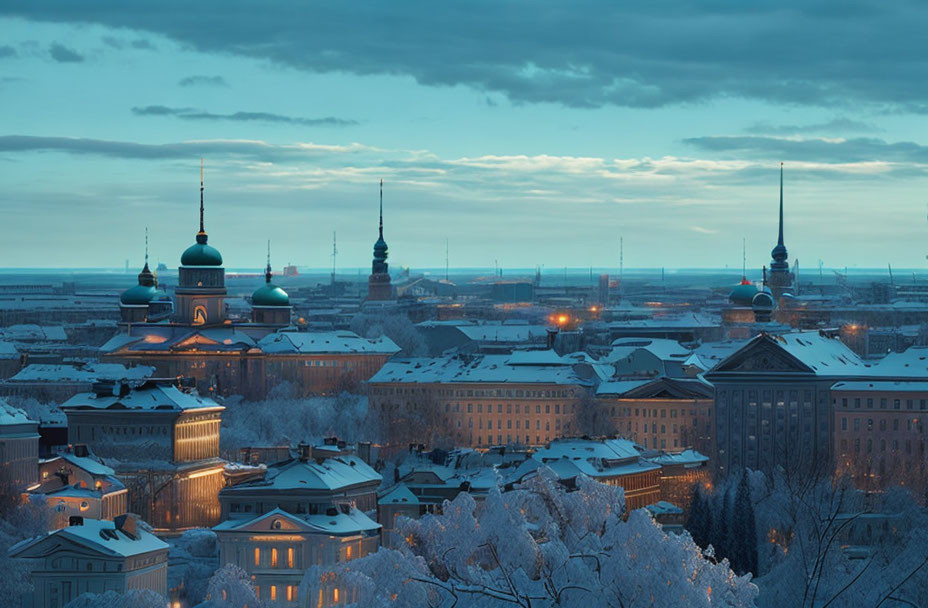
[[10, 415], [911, 363], [147, 397], [34, 333], [544, 368], [683, 321], [593, 458], [619, 387], [825, 355], [8, 350], [882, 386], [497, 332], [87, 463], [325, 342], [663, 349], [347, 521], [400, 494], [101, 536], [686, 457], [91, 372], [327, 474]]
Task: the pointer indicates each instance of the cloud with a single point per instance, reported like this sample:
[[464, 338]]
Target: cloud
[[591, 53], [7, 51], [824, 150], [206, 81], [702, 230], [835, 126], [192, 114], [63, 54]]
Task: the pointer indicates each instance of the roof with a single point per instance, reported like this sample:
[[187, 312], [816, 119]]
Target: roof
[[325, 342], [201, 254], [327, 474], [91, 372], [535, 367], [149, 397], [883, 386], [347, 521], [399, 494], [497, 332], [10, 415], [87, 463], [820, 354], [270, 295], [101, 536], [593, 458]]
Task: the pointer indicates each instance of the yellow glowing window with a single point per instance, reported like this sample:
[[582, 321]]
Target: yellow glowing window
[[257, 592], [257, 556], [348, 552], [289, 593], [335, 595], [273, 593], [290, 557], [319, 604], [273, 559]]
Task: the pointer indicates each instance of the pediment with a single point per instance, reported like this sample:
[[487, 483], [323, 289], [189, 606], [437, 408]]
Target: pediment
[[275, 521], [194, 341], [762, 356]]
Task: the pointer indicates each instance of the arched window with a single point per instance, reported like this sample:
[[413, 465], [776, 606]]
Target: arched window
[[199, 315]]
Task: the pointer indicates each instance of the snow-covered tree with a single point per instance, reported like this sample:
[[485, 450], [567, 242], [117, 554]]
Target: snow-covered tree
[[230, 587], [742, 544], [134, 598], [537, 545], [192, 561], [397, 327]]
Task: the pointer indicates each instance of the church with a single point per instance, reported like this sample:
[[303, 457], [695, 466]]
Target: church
[[192, 336]]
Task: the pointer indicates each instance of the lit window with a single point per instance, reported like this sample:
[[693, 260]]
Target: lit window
[[273, 559], [335, 595], [273, 593], [257, 556], [290, 557]]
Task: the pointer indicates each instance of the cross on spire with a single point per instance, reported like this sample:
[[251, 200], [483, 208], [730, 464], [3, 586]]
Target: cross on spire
[[202, 230]]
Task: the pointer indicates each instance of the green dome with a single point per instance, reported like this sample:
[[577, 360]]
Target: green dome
[[201, 254], [270, 295], [140, 295], [742, 294]]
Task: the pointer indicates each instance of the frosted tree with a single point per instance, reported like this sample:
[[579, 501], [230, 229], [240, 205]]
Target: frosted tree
[[537, 545], [230, 587]]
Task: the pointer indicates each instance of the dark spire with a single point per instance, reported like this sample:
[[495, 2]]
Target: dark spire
[[780, 240], [201, 235], [146, 247], [381, 207], [146, 277], [267, 270]]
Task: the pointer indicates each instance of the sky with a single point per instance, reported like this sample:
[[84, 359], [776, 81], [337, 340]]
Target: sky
[[520, 133]]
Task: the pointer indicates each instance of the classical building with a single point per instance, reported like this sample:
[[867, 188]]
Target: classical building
[[379, 287], [306, 511], [164, 443], [19, 448], [526, 397], [93, 556], [662, 413], [879, 433], [773, 401]]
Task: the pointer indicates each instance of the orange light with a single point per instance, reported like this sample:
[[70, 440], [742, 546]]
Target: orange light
[[562, 319], [594, 308]]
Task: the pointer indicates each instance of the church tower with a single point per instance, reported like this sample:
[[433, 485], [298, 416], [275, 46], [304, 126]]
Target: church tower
[[781, 279], [269, 303], [378, 284], [201, 285]]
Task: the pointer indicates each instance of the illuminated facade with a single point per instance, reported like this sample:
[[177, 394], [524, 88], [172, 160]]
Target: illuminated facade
[[19, 448], [164, 442], [307, 511]]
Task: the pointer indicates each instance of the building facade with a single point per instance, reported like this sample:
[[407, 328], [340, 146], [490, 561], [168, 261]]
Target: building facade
[[19, 448], [93, 556], [164, 442]]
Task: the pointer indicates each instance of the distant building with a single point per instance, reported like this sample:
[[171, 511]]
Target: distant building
[[773, 401], [93, 556], [164, 442], [19, 448], [48, 382], [879, 436], [307, 511], [662, 414], [378, 283], [526, 397]]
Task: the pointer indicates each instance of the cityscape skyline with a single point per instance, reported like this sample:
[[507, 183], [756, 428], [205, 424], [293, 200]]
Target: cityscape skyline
[[109, 113]]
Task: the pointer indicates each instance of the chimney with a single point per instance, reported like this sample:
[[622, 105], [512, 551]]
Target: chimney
[[80, 450], [305, 450], [127, 523], [364, 451], [75, 520]]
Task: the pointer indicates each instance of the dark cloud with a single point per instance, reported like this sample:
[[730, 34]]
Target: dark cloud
[[63, 54], [118, 43], [192, 114], [121, 149], [834, 126], [586, 53], [206, 81], [861, 149], [7, 51]]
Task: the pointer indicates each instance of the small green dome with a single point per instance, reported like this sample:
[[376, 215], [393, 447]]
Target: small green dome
[[270, 295], [201, 254], [742, 294], [140, 295]]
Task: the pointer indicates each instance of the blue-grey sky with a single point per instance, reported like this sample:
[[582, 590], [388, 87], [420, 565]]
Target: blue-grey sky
[[524, 132]]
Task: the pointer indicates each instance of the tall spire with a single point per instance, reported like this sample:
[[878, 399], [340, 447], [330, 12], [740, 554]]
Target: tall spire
[[780, 240], [381, 207], [146, 246], [267, 270], [202, 230]]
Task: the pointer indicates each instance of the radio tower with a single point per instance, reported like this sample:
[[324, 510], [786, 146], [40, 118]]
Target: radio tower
[[334, 254]]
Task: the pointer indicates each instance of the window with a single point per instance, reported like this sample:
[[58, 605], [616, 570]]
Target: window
[[273, 559], [257, 556], [273, 593]]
